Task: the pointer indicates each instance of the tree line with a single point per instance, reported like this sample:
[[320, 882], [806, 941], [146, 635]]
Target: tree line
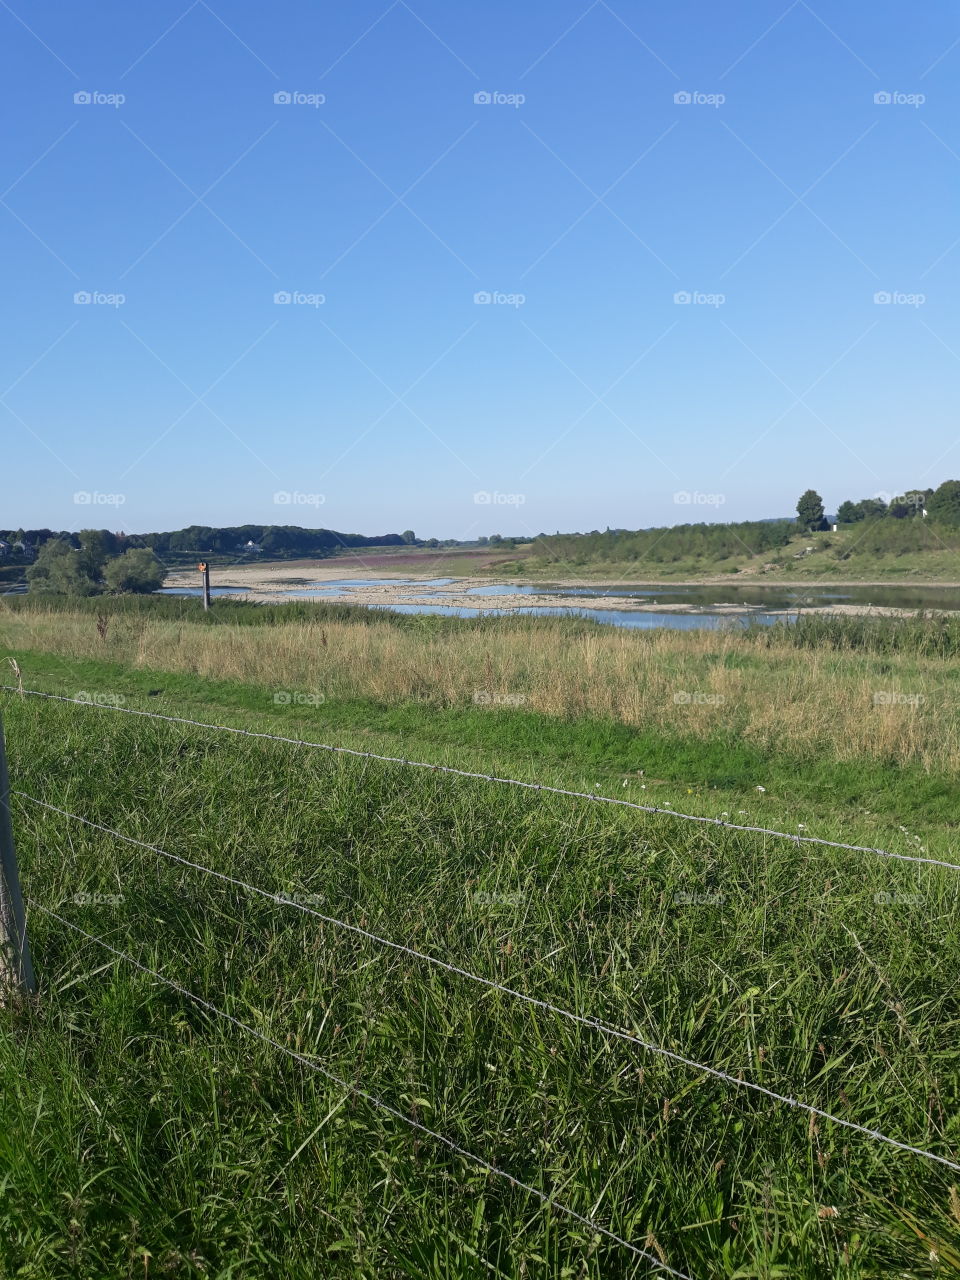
[[941, 504], [96, 564]]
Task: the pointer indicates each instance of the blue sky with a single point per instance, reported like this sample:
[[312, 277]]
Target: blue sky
[[582, 198]]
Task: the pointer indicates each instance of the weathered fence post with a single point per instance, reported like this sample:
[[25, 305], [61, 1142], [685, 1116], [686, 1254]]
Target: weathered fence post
[[16, 968]]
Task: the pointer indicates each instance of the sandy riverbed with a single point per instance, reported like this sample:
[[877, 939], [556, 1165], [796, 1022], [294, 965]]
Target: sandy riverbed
[[272, 584]]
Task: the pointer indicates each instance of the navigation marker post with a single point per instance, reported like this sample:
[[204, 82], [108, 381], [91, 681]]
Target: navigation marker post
[[205, 570]]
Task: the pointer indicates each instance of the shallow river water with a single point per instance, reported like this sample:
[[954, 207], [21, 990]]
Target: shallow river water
[[685, 607]]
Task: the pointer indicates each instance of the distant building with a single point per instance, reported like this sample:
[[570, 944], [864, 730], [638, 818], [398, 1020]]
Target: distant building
[[252, 547], [5, 548]]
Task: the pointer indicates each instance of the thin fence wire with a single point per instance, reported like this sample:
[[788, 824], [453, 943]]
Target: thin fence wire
[[372, 1098], [489, 777], [582, 1019]]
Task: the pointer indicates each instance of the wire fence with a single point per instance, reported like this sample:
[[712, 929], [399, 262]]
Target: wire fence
[[374, 1099], [796, 837], [585, 1020], [579, 1018]]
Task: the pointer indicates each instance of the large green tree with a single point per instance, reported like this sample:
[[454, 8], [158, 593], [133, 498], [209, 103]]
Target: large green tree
[[136, 570], [810, 511], [944, 504], [59, 569]]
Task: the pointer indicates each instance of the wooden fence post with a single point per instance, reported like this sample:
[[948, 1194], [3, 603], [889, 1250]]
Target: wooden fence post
[[205, 571], [16, 967]]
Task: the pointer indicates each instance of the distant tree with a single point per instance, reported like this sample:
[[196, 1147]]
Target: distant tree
[[872, 508], [848, 513], [944, 504], [409, 537], [136, 570], [96, 545], [810, 511], [432, 542], [59, 570], [911, 503]]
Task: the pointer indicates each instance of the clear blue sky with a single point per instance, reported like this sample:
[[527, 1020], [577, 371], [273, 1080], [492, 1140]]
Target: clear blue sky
[[597, 198]]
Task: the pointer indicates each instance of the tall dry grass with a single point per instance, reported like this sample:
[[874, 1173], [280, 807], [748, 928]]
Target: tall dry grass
[[845, 705]]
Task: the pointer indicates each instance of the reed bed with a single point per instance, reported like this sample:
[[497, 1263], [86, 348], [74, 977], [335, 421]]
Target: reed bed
[[814, 690]]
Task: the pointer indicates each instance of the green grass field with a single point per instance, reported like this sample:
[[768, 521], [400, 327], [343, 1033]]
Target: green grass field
[[142, 1135]]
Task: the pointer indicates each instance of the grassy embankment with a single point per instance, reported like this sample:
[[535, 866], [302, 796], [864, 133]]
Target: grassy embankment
[[885, 550], [139, 1135]]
